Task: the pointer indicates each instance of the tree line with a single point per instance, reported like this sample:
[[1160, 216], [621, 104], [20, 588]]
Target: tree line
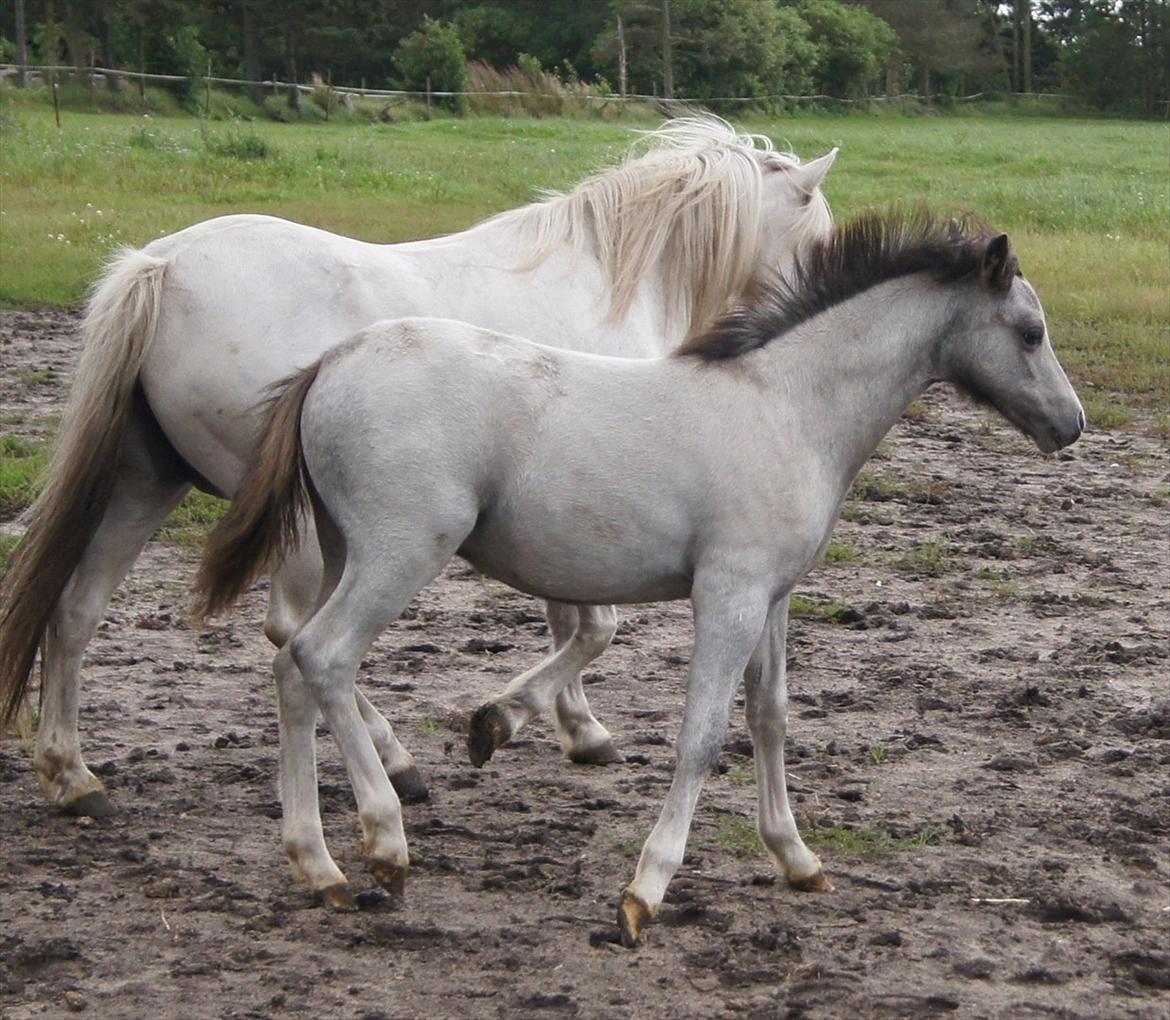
[[1110, 54]]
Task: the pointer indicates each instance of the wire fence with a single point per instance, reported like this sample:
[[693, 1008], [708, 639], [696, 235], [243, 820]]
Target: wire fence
[[275, 86]]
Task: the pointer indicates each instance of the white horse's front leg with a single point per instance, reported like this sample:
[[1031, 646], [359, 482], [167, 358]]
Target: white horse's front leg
[[727, 629], [590, 629], [580, 634], [765, 685]]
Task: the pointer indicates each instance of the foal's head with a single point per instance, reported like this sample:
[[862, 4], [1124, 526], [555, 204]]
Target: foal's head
[[994, 345], [998, 350]]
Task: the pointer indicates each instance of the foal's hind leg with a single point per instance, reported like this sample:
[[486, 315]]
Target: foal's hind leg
[[765, 686], [295, 588], [580, 634], [375, 586], [149, 485]]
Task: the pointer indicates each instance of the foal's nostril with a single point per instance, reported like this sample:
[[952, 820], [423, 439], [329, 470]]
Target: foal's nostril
[[1080, 422]]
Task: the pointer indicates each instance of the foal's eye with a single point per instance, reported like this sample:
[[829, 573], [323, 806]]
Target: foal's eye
[[1033, 336]]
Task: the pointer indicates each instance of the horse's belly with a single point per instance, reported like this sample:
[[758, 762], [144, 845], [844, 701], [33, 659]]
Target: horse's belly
[[572, 565]]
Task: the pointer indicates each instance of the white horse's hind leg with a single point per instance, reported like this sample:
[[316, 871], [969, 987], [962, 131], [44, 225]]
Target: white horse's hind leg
[[295, 588], [727, 628], [578, 638], [148, 487], [765, 685]]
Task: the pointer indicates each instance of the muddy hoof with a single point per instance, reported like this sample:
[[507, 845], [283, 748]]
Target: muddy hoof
[[94, 804], [487, 730], [390, 877], [410, 786], [336, 897], [813, 883], [599, 754], [633, 916]]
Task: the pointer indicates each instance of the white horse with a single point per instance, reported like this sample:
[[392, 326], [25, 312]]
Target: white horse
[[183, 338], [716, 474]]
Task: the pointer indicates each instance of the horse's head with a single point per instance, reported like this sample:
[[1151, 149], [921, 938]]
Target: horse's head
[[793, 210], [999, 353]]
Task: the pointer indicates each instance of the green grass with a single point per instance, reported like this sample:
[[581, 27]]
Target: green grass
[[21, 465], [740, 837], [932, 556], [1086, 201], [830, 610], [871, 839], [7, 544], [190, 522], [841, 552]]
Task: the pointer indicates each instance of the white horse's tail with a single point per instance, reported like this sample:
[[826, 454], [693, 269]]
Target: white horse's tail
[[119, 326]]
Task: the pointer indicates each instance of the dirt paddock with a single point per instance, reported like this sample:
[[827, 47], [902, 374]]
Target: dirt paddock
[[979, 742]]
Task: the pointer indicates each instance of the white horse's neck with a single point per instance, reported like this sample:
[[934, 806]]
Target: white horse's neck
[[847, 374]]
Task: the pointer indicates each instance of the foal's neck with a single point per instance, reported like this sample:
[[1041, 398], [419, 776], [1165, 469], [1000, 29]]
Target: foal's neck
[[851, 371]]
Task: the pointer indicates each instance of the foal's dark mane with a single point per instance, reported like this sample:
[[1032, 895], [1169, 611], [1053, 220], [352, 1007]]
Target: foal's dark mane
[[871, 249]]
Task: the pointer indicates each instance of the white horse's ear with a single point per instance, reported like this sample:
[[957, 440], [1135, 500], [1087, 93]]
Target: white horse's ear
[[809, 176]]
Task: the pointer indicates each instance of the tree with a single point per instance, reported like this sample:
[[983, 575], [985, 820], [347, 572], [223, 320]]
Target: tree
[[854, 47], [21, 45], [953, 46]]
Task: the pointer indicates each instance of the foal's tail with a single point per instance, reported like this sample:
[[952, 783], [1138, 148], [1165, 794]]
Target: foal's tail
[[117, 331], [268, 509]]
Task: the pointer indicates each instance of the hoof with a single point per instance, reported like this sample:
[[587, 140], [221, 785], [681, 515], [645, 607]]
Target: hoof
[[487, 730], [94, 804], [410, 786], [633, 916], [599, 754], [391, 877], [818, 882], [336, 897]]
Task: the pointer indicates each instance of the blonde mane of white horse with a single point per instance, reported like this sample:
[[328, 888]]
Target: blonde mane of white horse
[[695, 200]]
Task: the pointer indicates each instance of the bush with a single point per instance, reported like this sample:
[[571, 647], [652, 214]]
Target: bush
[[434, 51]]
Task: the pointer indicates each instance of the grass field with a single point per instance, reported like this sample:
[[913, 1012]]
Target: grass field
[[1087, 202]]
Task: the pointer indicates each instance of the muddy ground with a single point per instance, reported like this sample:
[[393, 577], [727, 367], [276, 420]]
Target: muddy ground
[[989, 716]]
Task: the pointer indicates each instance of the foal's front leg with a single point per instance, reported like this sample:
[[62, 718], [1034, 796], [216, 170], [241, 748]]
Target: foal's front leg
[[728, 624], [766, 690]]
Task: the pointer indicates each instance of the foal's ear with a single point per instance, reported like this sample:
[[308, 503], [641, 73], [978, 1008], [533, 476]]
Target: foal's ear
[[1000, 266]]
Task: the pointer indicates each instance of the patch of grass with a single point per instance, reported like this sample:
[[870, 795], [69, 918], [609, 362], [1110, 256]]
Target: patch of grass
[[872, 839], [740, 837], [841, 552], [7, 544], [1104, 411], [741, 775], [877, 753], [35, 377], [931, 557], [21, 467], [192, 520], [236, 143], [830, 610], [429, 726], [999, 582]]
